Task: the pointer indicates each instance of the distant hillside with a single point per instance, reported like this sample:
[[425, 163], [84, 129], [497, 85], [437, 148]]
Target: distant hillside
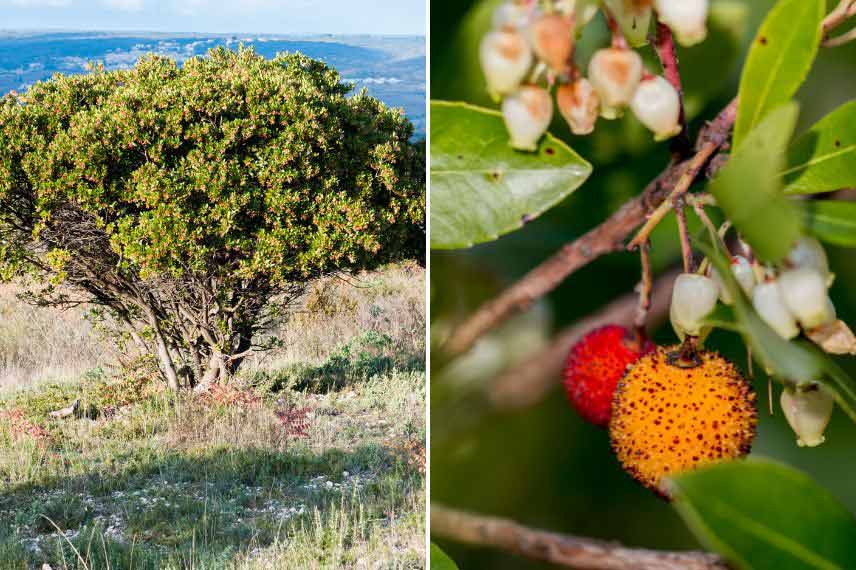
[[391, 68]]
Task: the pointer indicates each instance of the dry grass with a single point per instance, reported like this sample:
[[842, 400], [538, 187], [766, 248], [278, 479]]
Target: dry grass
[[39, 344], [47, 345]]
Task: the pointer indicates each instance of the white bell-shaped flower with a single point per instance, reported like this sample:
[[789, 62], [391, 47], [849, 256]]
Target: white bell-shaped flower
[[505, 58], [686, 18], [552, 38], [615, 74], [805, 294], [770, 306], [743, 273], [657, 105], [693, 298], [527, 114], [579, 104], [808, 410]]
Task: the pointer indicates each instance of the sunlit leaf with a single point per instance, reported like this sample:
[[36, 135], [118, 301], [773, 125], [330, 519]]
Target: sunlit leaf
[[758, 514], [832, 221], [823, 159], [749, 189], [778, 61], [480, 187]]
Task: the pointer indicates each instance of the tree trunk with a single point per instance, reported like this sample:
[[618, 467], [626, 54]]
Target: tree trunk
[[166, 362]]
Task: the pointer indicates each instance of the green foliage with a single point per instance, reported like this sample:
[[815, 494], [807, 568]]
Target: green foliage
[[759, 514], [263, 167], [778, 62], [821, 159], [832, 221], [190, 201], [440, 560], [749, 191], [480, 187]]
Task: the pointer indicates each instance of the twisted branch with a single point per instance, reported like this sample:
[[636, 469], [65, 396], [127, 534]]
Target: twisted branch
[[608, 237], [565, 550]]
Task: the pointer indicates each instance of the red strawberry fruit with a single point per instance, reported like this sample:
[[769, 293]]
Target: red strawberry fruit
[[594, 366]]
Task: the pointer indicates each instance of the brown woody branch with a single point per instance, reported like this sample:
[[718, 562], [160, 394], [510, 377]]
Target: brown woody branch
[[664, 44], [565, 550], [608, 237], [527, 383]]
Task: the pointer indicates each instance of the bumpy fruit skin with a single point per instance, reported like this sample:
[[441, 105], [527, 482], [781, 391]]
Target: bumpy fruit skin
[[668, 419], [593, 368]]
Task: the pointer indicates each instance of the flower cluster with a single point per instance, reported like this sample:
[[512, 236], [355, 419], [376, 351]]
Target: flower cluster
[[531, 49], [792, 299]]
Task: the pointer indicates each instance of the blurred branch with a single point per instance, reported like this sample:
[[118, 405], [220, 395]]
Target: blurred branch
[[527, 383], [845, 10], [564, 550], [608, 237]]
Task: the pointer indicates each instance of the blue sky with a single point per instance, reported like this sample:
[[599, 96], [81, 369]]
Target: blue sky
[[219, 16]]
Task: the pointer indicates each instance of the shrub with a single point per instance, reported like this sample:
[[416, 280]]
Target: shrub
[[189, 204]]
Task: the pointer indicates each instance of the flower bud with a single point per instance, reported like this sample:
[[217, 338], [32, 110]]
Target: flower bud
[[579, 105], [505, 59], [615, 73], [657, 106], [527, 113], [809, 253], [510, 16], [693, 298], [552, 38], [686, 18], [768, 302], [804, 292], [742, 271], [808, 410], [633, 18]]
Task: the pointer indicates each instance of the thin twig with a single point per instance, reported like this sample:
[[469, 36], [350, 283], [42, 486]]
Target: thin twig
[[684, 233], [531, 380], [644, 290], [840, 40], [664, 44], [608, 237], [565, 550]]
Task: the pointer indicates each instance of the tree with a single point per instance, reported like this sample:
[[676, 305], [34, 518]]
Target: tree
[[192, 203]]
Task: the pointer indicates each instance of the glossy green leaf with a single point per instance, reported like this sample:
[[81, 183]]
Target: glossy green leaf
[[832, 221], [823, 159], [778, 61], [440, 560], [480, 187], [759, 514], [749, 189], [795, 361]]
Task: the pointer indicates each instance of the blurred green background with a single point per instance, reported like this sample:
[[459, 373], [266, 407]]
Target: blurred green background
[[543, 466]]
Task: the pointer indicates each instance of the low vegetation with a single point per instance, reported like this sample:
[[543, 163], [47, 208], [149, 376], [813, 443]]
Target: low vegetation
[[313, 457]]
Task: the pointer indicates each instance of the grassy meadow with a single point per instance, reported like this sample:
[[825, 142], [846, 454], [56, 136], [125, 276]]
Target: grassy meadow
[[313, 457]]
